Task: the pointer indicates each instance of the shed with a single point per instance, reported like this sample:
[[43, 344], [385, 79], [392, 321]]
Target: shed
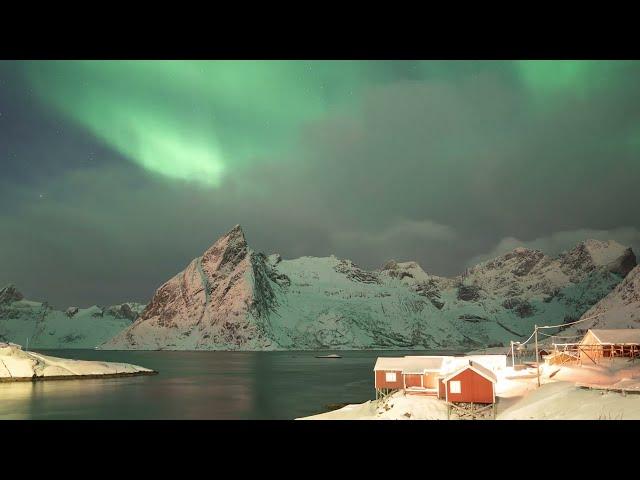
[[388, 373], [598, 343], [471, 383], [560, 358]]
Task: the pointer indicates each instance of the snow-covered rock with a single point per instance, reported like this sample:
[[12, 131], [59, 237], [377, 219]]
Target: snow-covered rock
[[234, 298], [619, 309], [16, 364], [22, 321]]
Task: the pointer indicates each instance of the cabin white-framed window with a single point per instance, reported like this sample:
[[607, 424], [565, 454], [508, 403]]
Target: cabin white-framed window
[[390, 376], [455, 386]]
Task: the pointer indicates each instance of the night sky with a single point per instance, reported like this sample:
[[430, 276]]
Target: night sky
[[114, 175]]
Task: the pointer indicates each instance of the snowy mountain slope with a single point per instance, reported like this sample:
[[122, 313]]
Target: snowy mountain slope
[[619, 309], [45, 327], [332, 302], [235, 298], [508, 295]]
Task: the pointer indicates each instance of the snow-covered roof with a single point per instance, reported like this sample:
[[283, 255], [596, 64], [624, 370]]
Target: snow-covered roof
[[389, 363], [476, 367], [417, 364], [617, 336]]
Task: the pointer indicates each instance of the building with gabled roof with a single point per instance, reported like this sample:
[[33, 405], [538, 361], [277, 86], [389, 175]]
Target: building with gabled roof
[[422, 374], [608, 343], [471, 383]]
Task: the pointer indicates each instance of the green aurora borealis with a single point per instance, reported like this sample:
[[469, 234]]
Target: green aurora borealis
[[197, 120], [443, 162]]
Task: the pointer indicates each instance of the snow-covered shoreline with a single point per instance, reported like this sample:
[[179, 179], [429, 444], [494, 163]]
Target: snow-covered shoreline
[[17, 365]]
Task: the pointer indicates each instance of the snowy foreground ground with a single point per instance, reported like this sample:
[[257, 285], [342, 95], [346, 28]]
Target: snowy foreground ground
[[17, 365], [518, 398]]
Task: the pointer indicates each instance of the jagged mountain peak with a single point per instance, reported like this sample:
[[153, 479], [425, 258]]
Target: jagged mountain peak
[[408, 272], [393, 265], [213, 301], [227, 252], [233, 238], [590, 254], [235, 232], [520, 262], [523, 251], [10, 294]]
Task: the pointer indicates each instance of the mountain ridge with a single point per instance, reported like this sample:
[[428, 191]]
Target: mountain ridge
[[256, 302], [233, 298]]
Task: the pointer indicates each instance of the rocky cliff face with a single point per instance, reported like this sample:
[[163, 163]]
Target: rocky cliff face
[[23, 321], [221, 300], [234, 298]]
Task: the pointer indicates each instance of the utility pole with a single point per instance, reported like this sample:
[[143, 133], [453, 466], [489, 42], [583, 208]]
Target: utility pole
[[537, 354], [513, 358]]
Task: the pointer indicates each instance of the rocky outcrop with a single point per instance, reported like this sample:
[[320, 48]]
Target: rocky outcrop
[[526, 260], [128, 311], [355, 273], [10, 294], [623, 264], [468, 293], [590, 254]]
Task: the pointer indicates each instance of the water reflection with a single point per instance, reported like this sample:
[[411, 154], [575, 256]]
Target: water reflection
[[199, 385]]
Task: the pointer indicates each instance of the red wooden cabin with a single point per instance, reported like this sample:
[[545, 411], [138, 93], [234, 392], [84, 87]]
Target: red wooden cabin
[[388, 373], [471, 383], [421, 373]]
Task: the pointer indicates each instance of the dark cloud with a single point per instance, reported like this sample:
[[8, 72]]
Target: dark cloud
[[444, 170]]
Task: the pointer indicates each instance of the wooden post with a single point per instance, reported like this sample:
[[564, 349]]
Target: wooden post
[[537, 354]]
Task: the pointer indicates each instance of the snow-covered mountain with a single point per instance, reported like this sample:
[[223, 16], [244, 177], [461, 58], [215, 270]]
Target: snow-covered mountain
[[234, 298], [619, 309], [223, 299], [23, 321]]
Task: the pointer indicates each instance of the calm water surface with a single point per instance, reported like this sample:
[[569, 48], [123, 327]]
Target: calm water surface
[[201, 385]]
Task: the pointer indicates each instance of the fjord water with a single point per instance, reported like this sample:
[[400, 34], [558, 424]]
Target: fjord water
[[201, 385]]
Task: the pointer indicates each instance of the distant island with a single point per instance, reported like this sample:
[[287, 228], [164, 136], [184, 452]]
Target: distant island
[[17, 365]]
